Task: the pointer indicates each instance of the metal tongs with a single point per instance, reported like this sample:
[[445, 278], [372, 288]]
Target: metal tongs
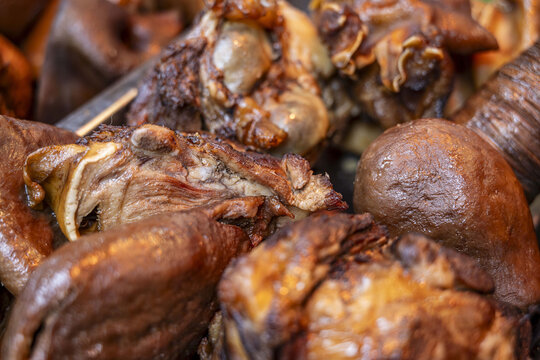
[[108, 103]]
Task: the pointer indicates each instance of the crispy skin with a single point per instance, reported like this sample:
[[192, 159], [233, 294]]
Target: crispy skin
[[125, 174], [306, 294], [506, 113], [253, 71], [441, 179], [26, 236], [145, 290], [398, 51], [15, 81]]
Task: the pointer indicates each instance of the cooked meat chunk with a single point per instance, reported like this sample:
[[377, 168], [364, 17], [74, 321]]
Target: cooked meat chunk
[[263, 294], [398, 51], [253, 71], [443, 180], [145, 290], [26, 236], [333, 287], [15, 81], [121, 175]]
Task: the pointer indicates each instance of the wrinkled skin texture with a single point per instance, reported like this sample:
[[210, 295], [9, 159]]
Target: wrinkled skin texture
[[121, 175], [145, 290], [93, 42], [516, 26], [441, 179], [15, 81], [26, 236], [398, 51], [253, 71], [346, 293], [506, 113]]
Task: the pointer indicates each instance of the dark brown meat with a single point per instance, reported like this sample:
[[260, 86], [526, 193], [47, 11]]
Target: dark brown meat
[[121, 175], [398, 51], [441, 179], [93, 42], [26, 236], [15, 81], [332, 287], [17, 15], [506, 113], [247, 70], [145, 290]]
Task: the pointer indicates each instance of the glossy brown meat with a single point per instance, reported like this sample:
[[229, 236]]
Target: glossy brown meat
[[262, 294], [398, 51], [120, 175], [145, 290], [383, 310], [93, 42], [441, 179], [253, 71], [15, 81], [506, 113], [306, 294], [26, 236], [17, 15]]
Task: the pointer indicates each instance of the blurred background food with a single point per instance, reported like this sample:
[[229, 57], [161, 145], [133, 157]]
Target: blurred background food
[[84, 45]]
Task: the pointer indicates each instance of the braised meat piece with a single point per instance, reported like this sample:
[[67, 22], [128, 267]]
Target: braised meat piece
[[121, 175], [398, 51], [249, 70], [15, 81], [443, 180], [145, 290], [26, 236], [333, 287]]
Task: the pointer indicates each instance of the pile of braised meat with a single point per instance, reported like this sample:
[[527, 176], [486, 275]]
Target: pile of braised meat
[[199, 228]]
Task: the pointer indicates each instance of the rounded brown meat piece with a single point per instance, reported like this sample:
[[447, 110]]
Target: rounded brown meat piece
[[144, 290], [441, 179], [26, 236]]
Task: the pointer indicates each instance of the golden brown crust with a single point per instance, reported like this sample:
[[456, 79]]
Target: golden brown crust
[[332, 286]]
